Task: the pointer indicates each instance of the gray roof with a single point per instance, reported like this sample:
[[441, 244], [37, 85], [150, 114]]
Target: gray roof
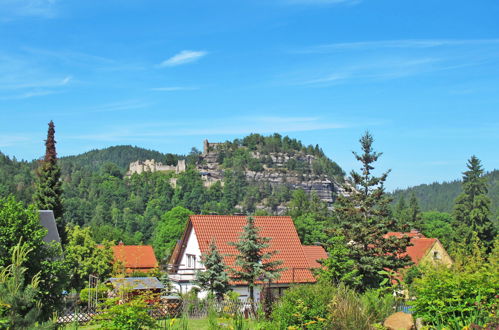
[[136, 283], [47, 220]]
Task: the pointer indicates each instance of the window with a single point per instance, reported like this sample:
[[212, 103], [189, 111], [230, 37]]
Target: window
[[436, 255], [191, 261]]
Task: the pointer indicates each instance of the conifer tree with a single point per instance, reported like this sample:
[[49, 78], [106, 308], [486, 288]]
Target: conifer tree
[[414, 212], [48, 189], [472, 206], [215, 278], [364, 218], [252, 263]]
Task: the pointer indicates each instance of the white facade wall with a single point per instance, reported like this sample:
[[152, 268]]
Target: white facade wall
[[183, 280]]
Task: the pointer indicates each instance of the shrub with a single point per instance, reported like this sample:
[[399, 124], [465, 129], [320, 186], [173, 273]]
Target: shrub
[[378, 304], [347, 311], [129, 315], [304, 307], [101, 293], [457, 296], [323, 306]]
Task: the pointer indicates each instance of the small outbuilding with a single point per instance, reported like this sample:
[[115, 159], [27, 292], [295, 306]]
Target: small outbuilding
[[135, 285]]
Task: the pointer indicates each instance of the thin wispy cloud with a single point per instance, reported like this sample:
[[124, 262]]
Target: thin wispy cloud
[[371, 61], [28, 95], [68, 56], [184, 57], [174, 88], [56, 82], [225, 126], [14, 9], [394, 44], [8, 140]]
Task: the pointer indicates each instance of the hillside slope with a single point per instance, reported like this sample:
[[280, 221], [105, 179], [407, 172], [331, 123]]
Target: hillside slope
[[441, 196], [121, 155]]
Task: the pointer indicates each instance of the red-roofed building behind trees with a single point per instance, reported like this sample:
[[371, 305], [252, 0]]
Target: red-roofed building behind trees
[[424, 249], [201, 229], [135, 258]]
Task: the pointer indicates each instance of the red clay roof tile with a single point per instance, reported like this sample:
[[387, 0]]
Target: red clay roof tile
[[420, 244], [314, 253], [135, 257], [284, 239]]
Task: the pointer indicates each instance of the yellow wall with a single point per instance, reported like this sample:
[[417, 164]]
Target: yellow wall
[[437, 254]]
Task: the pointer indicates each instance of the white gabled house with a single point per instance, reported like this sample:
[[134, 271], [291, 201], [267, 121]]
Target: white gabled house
[[297, 260]]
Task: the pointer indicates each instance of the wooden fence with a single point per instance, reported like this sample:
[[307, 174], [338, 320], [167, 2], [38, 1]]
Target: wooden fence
[[84, 314], [187, 308]]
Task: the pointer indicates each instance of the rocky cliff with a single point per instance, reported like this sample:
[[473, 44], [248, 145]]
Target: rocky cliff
[[276, 170]]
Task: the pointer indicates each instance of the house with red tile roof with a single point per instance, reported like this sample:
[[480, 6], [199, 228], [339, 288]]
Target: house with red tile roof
[[135, 258], [223, 229], [423, 249], [314, 253]]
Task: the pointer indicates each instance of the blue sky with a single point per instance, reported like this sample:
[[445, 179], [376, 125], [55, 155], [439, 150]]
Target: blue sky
[[422, 76]]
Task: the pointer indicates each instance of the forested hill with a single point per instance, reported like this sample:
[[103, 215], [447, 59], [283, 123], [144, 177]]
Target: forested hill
[[121, 156], [441, 196], [249, 175]]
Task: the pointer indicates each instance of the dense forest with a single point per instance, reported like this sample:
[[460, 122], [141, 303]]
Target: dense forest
[[440, 196], [96, 191], [97, 202]]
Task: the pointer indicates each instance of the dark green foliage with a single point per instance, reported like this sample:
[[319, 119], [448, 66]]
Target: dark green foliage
[[169, 230], [96, 193], [310, 215], [304, 307], [190, 192], [131, 314], [19, 308], [16, 177], [440, 196], [364, 217], [48, 188], [121, 156], [84, 258], [439, 225], [459, 296], [214, 278], [18, 223], [472, 206], [325, 306], [339, 267], [101, 292], [252, 263]]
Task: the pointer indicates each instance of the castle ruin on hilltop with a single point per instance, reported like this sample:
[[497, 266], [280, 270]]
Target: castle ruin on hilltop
[[150, 165]]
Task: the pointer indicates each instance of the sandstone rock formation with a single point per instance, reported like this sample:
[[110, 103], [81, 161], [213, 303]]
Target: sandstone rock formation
[[399, 321]]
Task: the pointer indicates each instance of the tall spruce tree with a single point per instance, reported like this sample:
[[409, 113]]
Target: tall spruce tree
[[472, 206], [364, 218], [215, 278], [414, 212], [252, 263], [48, 190]]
